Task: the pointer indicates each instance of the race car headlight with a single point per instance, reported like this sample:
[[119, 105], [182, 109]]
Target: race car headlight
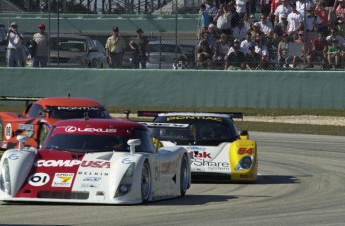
[[5, 181], [245, 163], [125, 185]]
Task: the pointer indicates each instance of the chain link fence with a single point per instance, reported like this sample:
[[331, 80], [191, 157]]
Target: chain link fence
[[176, 34]]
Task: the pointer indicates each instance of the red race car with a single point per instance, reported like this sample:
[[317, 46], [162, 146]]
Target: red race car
[[38, 117]]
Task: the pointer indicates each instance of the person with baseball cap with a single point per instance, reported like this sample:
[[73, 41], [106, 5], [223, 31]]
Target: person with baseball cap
[[115, 48], [15, 56], [141, 51], [39, 46]]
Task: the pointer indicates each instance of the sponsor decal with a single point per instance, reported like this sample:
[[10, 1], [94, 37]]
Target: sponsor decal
[[216, 165], [8, 131], [168, 167], [13, 156], [92, 179], [218, 119], [196, 148], [77, 108], [243, 151], [63, 180], [73, 129], [25, 127], [203, 154], [127, 161], [71, 163], [38, 179], [93, 173], [16, 151], [88, 186]]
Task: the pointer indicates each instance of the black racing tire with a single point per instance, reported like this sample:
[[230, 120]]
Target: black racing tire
[[1, 132], [42, 135], [146, 182], [184, 179]]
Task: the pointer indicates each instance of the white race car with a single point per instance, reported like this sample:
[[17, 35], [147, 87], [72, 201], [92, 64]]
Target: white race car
[[106, 161]]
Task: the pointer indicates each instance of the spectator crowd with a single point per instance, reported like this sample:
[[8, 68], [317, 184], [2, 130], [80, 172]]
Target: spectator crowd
[[287, 33]]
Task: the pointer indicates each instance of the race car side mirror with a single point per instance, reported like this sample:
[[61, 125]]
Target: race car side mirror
[[132, 143], [21, 140], [244, 135]]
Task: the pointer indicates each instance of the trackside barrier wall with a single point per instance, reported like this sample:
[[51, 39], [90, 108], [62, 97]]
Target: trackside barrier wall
[[181, 88]]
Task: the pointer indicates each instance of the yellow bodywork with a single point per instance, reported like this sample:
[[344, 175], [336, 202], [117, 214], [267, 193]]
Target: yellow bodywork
[[238, 150]]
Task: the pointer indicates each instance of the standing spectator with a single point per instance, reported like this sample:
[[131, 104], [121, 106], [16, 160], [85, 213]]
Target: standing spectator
[[252, 58], [40, 45], [300, 41], [241, 7], [282, 9], [251, 8], [247, 23], [223, 19], [115, 48], [294, 21], [332, 17], [340, 12], [322, 13], [140, 47], [221, 49], [211, 9], [302, 5], [240, 31], [265, 7], [281, 27], [235, 17], [204, 55], [256, 29], [203, 17], [266, 26], [283, 51], [213, 35], [319, 50], [236, 59], [15, 56], [312, 23]]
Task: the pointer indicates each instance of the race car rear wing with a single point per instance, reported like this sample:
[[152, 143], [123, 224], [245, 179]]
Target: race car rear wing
[[156, 113], [13, 98]]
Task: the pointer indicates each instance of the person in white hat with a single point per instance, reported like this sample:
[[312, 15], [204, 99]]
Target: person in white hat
[[15, 56]]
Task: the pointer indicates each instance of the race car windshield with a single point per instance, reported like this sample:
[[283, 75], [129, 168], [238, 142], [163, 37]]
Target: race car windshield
[[200, 133], [77, 112], [87, 143]]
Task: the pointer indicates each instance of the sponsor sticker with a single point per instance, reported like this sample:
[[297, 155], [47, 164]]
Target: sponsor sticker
[[13, 156], [71, 163], [92, 179], [25, 127], [63, 180], [38, 179], [73, 129], [127, 161]]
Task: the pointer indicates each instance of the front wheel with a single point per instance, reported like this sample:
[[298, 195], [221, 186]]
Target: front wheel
[[184, 179], [146, 182]]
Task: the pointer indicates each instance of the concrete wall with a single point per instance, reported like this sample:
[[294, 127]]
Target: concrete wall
[[181, 88]]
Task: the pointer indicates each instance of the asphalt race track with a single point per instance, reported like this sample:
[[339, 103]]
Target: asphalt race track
[[301, 182]]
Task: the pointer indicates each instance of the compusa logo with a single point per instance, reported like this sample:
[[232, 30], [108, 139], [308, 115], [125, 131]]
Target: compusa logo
[[38, 179]]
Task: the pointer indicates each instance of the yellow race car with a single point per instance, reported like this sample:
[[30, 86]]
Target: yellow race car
[[218, 149]]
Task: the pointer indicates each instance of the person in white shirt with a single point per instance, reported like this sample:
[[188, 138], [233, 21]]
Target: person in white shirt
[[241, 6], [240, 31], [266, 26], [261, 49], [246, 43], [312, 22], [40, 41], [283, 8], [294, 21], [302, 5], [223, 19], [15, 56]]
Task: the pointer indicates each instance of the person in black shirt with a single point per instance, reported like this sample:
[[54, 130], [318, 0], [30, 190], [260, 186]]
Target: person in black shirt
[[236, 59], [140, 47], [252, 58]]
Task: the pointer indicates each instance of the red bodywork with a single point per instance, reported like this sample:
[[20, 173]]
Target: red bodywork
[[36, 120]]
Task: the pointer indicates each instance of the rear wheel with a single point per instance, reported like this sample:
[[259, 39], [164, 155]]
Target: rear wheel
[[184, 179], [146, 182], [1, 132]]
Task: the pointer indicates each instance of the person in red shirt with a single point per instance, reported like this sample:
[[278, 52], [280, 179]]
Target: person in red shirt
[[322, 13], [318, 50]]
